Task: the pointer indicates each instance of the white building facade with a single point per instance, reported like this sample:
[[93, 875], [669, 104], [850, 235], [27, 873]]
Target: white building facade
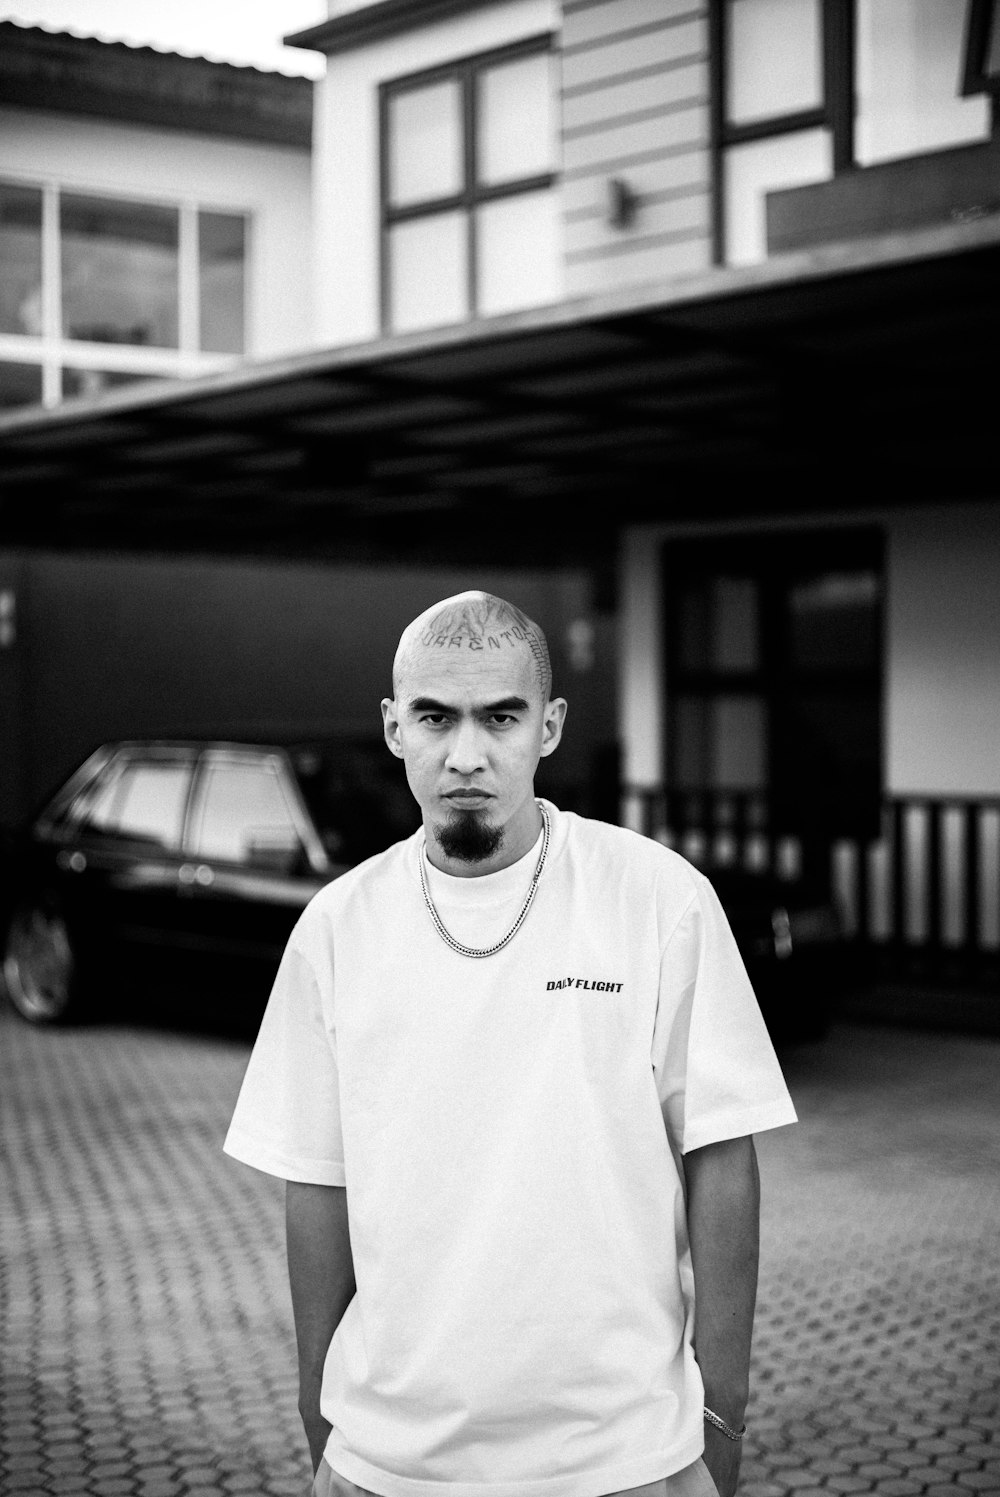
[[783, 684], [155, 215], [809, 687]]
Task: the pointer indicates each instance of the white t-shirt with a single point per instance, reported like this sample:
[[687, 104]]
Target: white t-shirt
[[509, 1132]]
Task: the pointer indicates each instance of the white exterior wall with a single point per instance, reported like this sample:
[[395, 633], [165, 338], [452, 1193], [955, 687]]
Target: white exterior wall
[[346, 152], [635, 107], [271, 183], [943, 652], [341, 7], [941, 646], [640, 662]]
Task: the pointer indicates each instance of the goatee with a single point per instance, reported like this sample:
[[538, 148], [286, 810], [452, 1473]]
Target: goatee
[[466, 837]]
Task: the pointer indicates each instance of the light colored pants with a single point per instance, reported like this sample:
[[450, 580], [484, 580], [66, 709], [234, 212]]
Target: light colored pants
[[693, 1481]]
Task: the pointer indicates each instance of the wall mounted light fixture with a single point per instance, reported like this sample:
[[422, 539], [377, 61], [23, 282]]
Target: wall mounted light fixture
[[622, 203]]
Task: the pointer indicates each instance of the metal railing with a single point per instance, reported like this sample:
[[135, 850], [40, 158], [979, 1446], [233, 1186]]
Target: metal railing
[[923, 896]]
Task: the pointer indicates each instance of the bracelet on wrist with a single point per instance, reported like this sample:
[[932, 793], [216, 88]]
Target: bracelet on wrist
[[727, 1430]]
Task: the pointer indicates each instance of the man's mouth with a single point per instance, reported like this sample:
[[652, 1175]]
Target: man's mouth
[[467, 797]]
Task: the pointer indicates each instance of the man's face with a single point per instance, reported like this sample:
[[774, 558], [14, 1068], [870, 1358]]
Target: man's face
[[471, 727]]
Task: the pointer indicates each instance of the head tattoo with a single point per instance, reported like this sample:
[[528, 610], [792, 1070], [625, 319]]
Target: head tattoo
[[476, 622]]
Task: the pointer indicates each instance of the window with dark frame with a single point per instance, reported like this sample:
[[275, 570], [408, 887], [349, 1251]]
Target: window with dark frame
[[911, 61], [782, 101], [469, 218], [982, 52], [804, 90]]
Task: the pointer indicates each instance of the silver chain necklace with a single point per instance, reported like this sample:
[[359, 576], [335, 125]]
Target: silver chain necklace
[[446, 934]]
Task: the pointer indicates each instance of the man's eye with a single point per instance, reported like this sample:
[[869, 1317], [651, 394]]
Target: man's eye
[[501, 719], [434, 718]]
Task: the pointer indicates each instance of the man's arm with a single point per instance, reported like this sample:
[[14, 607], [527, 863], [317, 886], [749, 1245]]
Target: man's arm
[[723, 1207], [321, 1275]]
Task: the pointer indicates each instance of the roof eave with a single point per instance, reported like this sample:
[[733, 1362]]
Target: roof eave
[[374, 23], [718, 285]]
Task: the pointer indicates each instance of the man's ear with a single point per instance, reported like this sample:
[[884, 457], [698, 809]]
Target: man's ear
[[552, 724], [390, 727]]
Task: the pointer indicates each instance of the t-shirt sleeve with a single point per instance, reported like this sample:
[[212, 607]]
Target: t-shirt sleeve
[[716, 1072], [287, 1117]]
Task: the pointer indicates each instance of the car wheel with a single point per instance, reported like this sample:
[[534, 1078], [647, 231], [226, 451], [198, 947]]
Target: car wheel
[[40, 967]]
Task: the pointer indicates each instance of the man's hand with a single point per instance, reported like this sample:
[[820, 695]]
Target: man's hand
[[317, 1430], [722, 1457]]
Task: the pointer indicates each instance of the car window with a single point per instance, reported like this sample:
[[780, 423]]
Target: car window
[[143, 801], [67, 806], [95, 807], [243, 816], [149, 803]]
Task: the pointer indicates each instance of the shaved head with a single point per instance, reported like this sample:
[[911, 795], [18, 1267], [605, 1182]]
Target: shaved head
[[471, 624], [471, 716]]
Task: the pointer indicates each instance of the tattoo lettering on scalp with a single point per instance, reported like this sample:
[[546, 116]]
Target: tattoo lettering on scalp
[[439, 640], [479, 622]]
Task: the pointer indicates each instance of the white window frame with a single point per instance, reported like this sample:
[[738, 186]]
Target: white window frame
[[52, 352]]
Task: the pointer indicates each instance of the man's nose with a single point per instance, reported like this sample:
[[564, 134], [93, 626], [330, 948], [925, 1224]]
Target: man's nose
[[465, 751]]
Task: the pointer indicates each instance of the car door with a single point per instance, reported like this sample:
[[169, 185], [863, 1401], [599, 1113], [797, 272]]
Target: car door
[[120, 857], [253, 862]]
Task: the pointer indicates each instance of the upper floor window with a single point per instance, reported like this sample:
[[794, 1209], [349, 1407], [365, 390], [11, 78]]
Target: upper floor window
[[982, 52], [908, 71], [96, 291], [803, 89], [20, 259], [774, 112], [118, 271], [774, 60], [469, 208]]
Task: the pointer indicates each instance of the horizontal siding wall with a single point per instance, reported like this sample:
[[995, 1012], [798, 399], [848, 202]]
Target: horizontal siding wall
[[635, 107]]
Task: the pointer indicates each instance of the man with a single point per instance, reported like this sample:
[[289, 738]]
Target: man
[[510, 1070]]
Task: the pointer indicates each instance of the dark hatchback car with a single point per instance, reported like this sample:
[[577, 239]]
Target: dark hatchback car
[[176, 870], [791, 940], [180, 868]]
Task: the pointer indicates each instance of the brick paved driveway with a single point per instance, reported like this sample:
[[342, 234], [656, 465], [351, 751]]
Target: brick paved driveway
[[146, 1332]]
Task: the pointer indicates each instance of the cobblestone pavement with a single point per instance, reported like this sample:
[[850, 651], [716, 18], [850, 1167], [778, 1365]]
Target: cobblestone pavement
[[146, 1331]]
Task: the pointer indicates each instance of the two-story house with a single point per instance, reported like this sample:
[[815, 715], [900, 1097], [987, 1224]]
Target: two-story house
[[696, 299]]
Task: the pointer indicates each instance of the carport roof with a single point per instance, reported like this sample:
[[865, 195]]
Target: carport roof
[[853, 376]]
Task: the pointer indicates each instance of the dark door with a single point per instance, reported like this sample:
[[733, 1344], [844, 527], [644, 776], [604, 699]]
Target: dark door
[[774, 694]]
